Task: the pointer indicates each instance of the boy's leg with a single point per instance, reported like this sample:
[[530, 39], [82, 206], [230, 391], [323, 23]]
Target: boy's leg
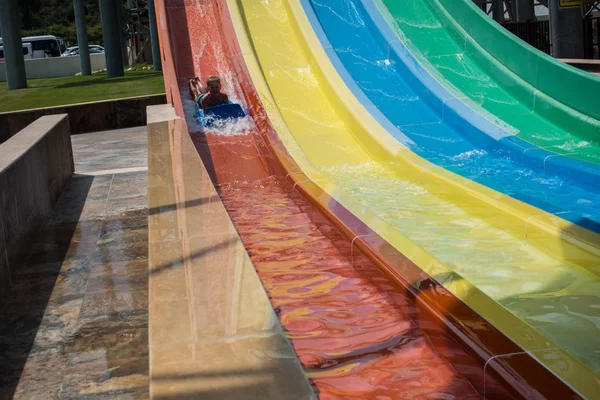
[[196, 90]]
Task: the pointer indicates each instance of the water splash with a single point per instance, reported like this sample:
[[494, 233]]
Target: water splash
[[190, 108], [225, 127], [232, 126], [469, 155], [573, 145]]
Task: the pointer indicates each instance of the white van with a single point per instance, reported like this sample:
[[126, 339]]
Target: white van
[[44, 46], [27, 52]]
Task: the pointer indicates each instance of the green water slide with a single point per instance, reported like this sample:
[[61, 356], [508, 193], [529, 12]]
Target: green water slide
[[524, 91]]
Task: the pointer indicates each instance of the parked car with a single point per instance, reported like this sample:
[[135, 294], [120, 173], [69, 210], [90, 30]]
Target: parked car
[[43, 46], [27, 52], [74, 51]]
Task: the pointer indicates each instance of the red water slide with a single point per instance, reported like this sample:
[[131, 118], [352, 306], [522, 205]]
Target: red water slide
[[357, 324]]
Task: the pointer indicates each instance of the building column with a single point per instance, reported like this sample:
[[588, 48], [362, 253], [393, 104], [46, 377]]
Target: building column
[[156, 57], [524, 10], [498, 11], [82, 37], [119, 6], [566, 30], [10, 20], [111, 31]]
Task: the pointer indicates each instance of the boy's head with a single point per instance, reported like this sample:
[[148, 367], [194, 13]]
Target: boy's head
[[213, 84]]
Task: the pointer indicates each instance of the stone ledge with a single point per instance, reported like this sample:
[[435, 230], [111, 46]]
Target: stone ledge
[[86, 117], [213, 332], [35, 166]]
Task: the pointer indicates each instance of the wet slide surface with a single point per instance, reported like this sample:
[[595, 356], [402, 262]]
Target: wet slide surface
[[355, 332], [456, 58], [554, 297], [454, 145]]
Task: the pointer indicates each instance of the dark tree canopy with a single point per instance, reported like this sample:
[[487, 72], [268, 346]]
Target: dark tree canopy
[[56, 17]]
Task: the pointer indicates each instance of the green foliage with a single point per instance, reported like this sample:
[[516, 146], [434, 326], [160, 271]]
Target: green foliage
[[56, 17]]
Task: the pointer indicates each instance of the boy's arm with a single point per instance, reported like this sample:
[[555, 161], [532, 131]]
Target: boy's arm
[[226, 99]]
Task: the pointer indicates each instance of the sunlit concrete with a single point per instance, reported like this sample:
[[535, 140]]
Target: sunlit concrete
[[76, 321], [213, 331]]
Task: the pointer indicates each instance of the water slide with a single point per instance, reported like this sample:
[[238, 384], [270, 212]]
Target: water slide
[[363, 345], [330, 147], [391, 82], [543, 101], [435, 124]]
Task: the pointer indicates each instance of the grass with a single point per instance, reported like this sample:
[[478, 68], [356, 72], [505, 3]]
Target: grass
[[80, 89]]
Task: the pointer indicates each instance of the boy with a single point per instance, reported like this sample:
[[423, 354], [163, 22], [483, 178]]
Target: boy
[[205, 100]]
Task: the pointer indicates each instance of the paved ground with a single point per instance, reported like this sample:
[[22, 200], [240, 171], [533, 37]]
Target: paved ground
[[75, 324]]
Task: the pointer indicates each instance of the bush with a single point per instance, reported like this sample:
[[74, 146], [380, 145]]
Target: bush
[[56, 17]]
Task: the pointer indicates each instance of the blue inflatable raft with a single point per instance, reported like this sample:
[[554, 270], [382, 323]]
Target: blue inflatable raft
[[212, 115]]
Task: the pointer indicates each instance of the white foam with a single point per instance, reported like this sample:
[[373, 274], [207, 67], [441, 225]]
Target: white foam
[[467, 155], [189, 109], [573, 145], [232, 126]]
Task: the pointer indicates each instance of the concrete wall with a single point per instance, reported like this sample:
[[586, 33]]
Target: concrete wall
[[86, 117], [35, 165], [55, 66]]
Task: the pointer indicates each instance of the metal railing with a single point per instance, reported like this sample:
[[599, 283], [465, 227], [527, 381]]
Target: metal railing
[[591, 38], [590, 11], [536, 33]]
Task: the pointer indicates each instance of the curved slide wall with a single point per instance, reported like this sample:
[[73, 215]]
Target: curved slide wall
[[575, 88], [442, 128], [333, 309], [307, 281], [545, 102], [288, 40], [439, 227]]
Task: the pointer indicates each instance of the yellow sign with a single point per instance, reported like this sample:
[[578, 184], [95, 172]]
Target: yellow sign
[[569, 3]]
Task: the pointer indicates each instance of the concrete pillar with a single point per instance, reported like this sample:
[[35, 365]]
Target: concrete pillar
[[111, 31], [498, 10], [11, 42], [82, 38], [524, 10], [566, 31], [127, 40], [156, 60], [119, 6]]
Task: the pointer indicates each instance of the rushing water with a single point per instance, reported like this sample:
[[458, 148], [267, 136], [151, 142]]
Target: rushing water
[[505, 267], [560, 300], [391, 88], [225, 127], [354, 331], [356, 334]]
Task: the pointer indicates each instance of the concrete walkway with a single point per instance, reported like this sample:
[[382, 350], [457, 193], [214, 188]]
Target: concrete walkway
[[75, 323]]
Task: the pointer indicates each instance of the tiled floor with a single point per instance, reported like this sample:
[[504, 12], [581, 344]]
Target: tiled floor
[[122, 149], [75, 323]]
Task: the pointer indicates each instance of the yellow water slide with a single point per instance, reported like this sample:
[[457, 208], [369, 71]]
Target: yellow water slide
[[514, 264]]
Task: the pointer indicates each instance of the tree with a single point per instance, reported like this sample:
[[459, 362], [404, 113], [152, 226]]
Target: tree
[[56, 17]]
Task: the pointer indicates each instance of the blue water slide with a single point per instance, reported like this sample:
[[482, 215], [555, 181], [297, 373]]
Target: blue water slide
[[422, 114]]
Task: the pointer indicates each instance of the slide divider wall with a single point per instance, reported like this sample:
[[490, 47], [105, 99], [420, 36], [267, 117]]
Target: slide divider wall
[[460, 111], [546, 231], [523, 372], [557, 92], [566, 84], [539, 227]]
